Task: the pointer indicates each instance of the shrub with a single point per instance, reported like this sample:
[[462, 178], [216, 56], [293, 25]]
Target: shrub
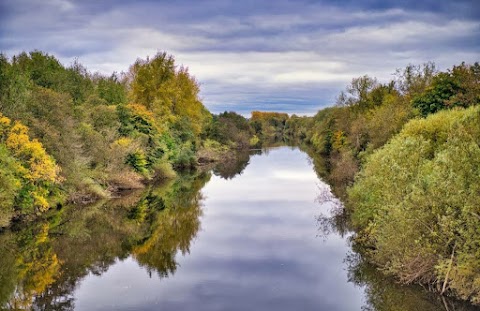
[[416, 202]]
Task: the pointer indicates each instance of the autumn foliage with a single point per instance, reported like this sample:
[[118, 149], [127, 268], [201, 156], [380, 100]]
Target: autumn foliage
[[106, 133], [29, 173]]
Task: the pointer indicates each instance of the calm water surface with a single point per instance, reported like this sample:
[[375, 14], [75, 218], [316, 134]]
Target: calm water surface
[[260, 234], [257, 249]]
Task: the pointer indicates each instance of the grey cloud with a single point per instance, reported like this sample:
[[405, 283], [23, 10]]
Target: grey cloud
[[245, 54]]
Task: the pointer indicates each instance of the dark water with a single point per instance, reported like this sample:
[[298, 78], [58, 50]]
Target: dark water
[[269, 238]]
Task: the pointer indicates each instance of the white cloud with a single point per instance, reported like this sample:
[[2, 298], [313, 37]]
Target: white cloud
[[405, 33], [308, 52]]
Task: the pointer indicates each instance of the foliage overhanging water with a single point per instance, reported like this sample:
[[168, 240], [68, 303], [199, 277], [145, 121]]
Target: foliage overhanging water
[[262, 233]]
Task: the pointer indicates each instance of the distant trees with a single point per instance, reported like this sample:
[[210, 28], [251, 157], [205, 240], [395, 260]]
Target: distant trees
[[268, 125], [296, 128], [230, 128]]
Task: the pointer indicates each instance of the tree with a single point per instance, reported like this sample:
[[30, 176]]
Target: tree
[[458, 87], [357, 92], [151, 82]]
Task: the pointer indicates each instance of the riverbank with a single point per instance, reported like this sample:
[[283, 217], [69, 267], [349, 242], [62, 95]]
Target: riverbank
[[247, 234], [69, 135], [404, 157]]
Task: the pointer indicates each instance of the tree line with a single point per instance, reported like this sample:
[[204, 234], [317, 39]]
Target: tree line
[[405, 156], [69, 135]]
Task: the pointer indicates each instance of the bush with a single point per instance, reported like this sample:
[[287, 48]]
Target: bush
[[185, 158], [10, 184], [416, 202], [138, 161], [164, 170]]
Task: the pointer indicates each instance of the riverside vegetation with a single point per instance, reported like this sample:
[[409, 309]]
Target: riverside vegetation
[[67, 135], [404, 155]]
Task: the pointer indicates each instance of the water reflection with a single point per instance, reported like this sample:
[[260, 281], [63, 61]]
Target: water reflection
[[235, 166], [382, 293], [244, 238], [335, 219], [42, 265]]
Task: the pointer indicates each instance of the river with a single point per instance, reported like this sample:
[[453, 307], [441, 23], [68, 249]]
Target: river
[[264, 233]]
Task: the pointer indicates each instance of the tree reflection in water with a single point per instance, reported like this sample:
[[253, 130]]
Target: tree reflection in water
[[382, 293], [42, 264]]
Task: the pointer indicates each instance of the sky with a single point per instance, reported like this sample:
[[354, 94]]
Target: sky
[[277, 55]]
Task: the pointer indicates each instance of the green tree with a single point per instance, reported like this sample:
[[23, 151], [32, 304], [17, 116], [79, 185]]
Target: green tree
[[458, 87]]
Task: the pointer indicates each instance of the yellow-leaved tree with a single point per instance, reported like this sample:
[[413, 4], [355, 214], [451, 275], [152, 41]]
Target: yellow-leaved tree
[[40, 167], [27, 169]]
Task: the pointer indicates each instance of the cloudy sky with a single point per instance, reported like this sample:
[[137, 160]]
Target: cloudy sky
[[292, 56]]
